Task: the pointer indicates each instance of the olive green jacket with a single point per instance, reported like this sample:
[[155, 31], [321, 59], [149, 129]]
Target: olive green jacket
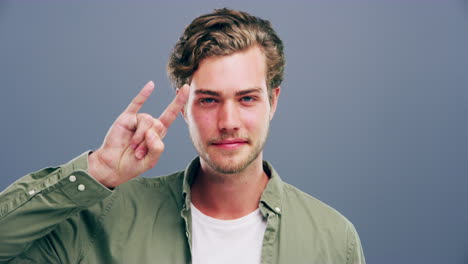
[[62, 215]]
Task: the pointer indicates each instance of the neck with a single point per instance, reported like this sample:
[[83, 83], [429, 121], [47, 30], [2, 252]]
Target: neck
[[228, 196]]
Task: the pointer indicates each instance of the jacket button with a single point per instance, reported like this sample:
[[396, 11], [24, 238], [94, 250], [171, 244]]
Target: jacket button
[[72, 178], [81, 187]]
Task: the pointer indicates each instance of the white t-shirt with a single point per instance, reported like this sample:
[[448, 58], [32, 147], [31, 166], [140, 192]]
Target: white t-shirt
[[227, 241]]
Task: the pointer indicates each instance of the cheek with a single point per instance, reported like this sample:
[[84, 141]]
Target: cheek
[[201, 120], [255, 119]]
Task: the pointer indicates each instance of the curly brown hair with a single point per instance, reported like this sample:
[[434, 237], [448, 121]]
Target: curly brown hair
[[224, 32]]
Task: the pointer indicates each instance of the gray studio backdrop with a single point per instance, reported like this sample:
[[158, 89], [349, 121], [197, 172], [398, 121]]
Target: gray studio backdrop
[[372, 117]]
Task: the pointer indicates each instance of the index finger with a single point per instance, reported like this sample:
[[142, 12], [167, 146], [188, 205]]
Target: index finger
[[173, 109], [140, 99]]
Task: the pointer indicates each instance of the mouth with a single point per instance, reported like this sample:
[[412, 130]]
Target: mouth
[[230, 143]]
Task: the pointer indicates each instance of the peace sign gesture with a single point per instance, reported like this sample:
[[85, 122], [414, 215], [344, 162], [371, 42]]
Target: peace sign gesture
[[134, 143]]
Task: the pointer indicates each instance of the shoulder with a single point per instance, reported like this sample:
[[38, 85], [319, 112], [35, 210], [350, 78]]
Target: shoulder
[[307, 221], [156, 189], [310, 211], [298, 199], [298, 207], [157, 182]]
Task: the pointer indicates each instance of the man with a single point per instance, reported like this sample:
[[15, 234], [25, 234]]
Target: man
[[228, 206]]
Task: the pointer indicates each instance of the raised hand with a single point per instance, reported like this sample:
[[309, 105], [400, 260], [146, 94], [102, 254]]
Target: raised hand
[[134, 143]]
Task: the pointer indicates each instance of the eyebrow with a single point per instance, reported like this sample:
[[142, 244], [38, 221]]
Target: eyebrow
[[207, 92], [240, 93]]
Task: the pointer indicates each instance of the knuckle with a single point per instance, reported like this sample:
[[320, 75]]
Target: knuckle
[[145, 119], [144, 115], [158, 146], [158, 125], [136, 139]]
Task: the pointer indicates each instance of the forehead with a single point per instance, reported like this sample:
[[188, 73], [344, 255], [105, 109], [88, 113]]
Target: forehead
[[235, 72]]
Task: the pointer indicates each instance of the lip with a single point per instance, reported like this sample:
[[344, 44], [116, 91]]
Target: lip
[[230, 143]]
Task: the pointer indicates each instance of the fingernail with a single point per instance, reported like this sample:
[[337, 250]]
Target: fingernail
[[133, 146], [139, 154]]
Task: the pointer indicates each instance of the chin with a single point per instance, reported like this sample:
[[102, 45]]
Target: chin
[[229, 168], [228, 164]]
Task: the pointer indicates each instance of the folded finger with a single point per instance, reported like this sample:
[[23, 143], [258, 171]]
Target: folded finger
[[155, 147], [144, 123]]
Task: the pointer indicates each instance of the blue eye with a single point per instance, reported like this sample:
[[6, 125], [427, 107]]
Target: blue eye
[[248, 99]]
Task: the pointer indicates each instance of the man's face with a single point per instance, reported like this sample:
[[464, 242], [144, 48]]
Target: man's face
[[228, 111]]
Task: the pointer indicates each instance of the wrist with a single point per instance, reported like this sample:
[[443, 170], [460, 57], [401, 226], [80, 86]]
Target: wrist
[[97, 169]]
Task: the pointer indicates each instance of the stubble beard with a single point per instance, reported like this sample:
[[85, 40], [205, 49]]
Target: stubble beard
[[232, 167]]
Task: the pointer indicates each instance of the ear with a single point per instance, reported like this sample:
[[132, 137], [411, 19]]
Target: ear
[[274, 100]]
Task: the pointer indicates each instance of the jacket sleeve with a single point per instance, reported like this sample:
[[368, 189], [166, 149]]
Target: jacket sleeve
[[35, 206], [355, 254]]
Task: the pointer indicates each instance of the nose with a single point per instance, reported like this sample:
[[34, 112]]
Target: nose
[[228, 117]]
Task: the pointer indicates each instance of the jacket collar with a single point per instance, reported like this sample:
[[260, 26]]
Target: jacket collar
[[271, 196]]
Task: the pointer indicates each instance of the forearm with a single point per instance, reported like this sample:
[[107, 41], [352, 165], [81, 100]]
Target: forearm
[[32, 207]]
